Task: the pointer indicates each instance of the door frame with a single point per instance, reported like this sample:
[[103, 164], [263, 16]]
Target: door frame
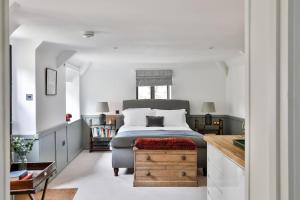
[[4, 101], [275, 16]]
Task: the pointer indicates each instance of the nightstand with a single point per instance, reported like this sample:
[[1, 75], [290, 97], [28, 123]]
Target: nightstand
[[215, 128], [101, 135]]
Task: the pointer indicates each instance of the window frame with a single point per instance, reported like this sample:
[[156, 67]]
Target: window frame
[[152, 92]]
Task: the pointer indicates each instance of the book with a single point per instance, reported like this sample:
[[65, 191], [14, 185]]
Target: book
[[17, 175], [29, 176]]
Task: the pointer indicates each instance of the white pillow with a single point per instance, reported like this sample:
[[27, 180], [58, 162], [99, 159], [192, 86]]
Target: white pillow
[[172, 117], [136, 116]]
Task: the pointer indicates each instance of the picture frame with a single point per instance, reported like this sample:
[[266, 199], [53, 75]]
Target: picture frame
[[51, 82]]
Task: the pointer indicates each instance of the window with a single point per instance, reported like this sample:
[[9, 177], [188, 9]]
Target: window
[[153, 84], [161, 92], [154, 92], [144, 92]]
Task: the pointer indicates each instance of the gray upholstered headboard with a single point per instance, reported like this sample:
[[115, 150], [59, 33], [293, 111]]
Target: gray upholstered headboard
[[154, 104], [158, 104]]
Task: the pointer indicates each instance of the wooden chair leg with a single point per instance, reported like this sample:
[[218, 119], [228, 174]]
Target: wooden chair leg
[[31, 197], [45, 189], [204, 171], [116, 171]]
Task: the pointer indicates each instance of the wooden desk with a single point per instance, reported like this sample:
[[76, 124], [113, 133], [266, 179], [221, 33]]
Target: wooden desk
[[41, 172]]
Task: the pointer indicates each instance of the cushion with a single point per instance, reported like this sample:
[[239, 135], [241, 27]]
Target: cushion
[[165, 144], [155, 121], [172, 117], [136, 116]]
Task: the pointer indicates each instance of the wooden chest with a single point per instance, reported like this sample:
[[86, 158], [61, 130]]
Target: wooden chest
[[165, 168]]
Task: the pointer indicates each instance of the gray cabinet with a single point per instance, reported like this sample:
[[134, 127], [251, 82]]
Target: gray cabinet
[[47, 148], [61, 149], [75, 139], [60, 144]]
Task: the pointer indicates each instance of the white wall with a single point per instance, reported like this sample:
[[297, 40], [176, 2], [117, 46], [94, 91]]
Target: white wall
[[235, 88], [73, 92], [196, 82], [23, 82], [50, 110]]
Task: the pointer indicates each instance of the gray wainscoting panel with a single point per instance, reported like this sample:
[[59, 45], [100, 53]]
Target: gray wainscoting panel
[[47, 148], [75, 139], [231, 126], [61, 144], [61, 149], [85, 134], [234, 125]]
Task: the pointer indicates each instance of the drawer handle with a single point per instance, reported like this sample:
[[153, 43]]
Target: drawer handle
[[183, 158], [148, 174], [183, 173], [148, 158]]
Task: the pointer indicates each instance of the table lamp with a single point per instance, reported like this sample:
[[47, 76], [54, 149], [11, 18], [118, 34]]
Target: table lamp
[[208, 107], [102, 107]]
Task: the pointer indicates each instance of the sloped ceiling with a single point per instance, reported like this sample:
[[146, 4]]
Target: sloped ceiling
[[136, 31]]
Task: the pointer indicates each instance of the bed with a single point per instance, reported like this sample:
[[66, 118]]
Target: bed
[[122, 144]]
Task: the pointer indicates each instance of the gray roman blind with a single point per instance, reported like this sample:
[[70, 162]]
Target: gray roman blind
[[153, 77]]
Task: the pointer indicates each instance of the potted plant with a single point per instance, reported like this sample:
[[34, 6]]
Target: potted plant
[[22, 147]]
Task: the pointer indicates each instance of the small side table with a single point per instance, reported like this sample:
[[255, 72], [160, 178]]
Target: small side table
[[100, 141], [41, 171], [215, 128]]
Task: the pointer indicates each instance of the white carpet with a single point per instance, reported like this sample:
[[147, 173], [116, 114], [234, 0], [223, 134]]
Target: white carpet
[[93, 175]]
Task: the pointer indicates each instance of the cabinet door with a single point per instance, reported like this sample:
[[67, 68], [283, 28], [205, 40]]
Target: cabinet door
[[74, 135], [234, 181], [47, 148], [225, 179], [61, 149]]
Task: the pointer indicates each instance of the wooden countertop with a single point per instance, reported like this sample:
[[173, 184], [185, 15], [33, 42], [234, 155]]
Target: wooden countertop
[[224, 143]]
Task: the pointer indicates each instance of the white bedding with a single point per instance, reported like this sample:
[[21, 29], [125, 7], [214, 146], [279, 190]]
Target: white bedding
[[136, 128]]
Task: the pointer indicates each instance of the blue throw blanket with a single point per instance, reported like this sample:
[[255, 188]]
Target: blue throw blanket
[[126, 139]]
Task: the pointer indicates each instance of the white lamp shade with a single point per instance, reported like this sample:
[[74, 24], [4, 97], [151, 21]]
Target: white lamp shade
[[208, 107], [102, 107]]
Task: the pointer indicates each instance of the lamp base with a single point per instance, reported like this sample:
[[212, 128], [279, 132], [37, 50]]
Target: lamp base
[[102, 119], [208, 119]]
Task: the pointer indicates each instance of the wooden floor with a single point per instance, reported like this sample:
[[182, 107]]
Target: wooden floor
[[53, 194]]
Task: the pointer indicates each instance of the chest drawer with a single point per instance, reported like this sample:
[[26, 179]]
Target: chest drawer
[[180, 157], [165, 168], [166, 175]]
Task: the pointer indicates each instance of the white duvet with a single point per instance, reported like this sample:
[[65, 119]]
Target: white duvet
[[166, 128]]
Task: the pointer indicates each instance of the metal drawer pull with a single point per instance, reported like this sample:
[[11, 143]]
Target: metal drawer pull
[[183, 158], [148, 157], [183, 173], [148, 174]]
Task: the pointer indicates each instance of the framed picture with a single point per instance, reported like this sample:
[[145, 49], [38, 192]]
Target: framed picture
[[51, 82]]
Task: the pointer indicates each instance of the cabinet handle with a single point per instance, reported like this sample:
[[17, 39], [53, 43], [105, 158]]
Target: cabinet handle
[[148, 158], [148, 174], [183, 158], [63, 143], [183, 173]]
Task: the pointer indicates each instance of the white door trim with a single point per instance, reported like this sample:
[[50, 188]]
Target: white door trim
[[271, 15], [4, 102], [264, 99]]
